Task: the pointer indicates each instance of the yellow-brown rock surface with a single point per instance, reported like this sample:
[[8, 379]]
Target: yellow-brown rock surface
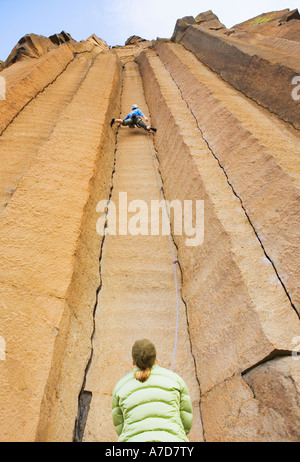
[[35, 46], [72, 302], [27, 78], [243, 140], [138, 296], [238, 310], [259, 65], [49, 262]]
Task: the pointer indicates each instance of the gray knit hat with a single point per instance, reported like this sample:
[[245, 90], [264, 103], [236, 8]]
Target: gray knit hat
[[144, 354]]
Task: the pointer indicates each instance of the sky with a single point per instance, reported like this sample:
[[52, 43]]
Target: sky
[[116, 20]]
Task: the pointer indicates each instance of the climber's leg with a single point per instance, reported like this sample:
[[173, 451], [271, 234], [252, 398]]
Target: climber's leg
[[140, 123], [132, 122], [118, 121], [128, 123]]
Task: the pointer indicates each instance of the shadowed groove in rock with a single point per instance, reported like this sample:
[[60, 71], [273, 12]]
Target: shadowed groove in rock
[[156, 156], [85, 396], [167, 101], [275, 354], [135, 299]]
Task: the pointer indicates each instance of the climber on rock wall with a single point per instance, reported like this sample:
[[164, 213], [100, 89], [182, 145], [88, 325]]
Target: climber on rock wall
[[134, 118], [151, 403]]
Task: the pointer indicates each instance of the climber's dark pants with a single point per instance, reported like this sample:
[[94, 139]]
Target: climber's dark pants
[[132, 121]]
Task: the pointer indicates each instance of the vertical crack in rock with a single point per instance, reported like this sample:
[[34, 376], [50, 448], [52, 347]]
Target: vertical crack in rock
[[84, 402], [237, 195], [191, 347], [85, 396], [182, 298]]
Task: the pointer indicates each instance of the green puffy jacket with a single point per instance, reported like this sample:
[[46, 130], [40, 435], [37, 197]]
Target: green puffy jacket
[[159, 409]]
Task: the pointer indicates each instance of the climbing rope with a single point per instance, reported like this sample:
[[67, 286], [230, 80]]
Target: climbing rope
[[174, 261]]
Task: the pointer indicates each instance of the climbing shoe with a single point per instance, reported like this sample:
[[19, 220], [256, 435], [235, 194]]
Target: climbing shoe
[[153, 129], [112, 122]]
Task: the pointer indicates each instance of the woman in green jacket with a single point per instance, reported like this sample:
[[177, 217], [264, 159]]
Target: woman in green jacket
[[151, 403]]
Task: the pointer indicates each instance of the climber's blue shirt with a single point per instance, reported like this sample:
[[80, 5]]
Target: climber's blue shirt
[[136, 112]]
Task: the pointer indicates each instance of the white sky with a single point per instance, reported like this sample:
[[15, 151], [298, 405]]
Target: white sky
[[157, 18], [116, 20]]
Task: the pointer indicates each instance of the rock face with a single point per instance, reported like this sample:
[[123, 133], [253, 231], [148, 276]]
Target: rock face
[[231, 310], [220, 112], [58, 39], [134, 39], [283, 24], [181, 26], [29, 77], [250, 63], [75, 296], [131, 276], [35, 46], [55, 310], [208, 20], [265, 405]]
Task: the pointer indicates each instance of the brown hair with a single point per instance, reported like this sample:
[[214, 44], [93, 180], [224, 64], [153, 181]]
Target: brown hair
[[144, 356]]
